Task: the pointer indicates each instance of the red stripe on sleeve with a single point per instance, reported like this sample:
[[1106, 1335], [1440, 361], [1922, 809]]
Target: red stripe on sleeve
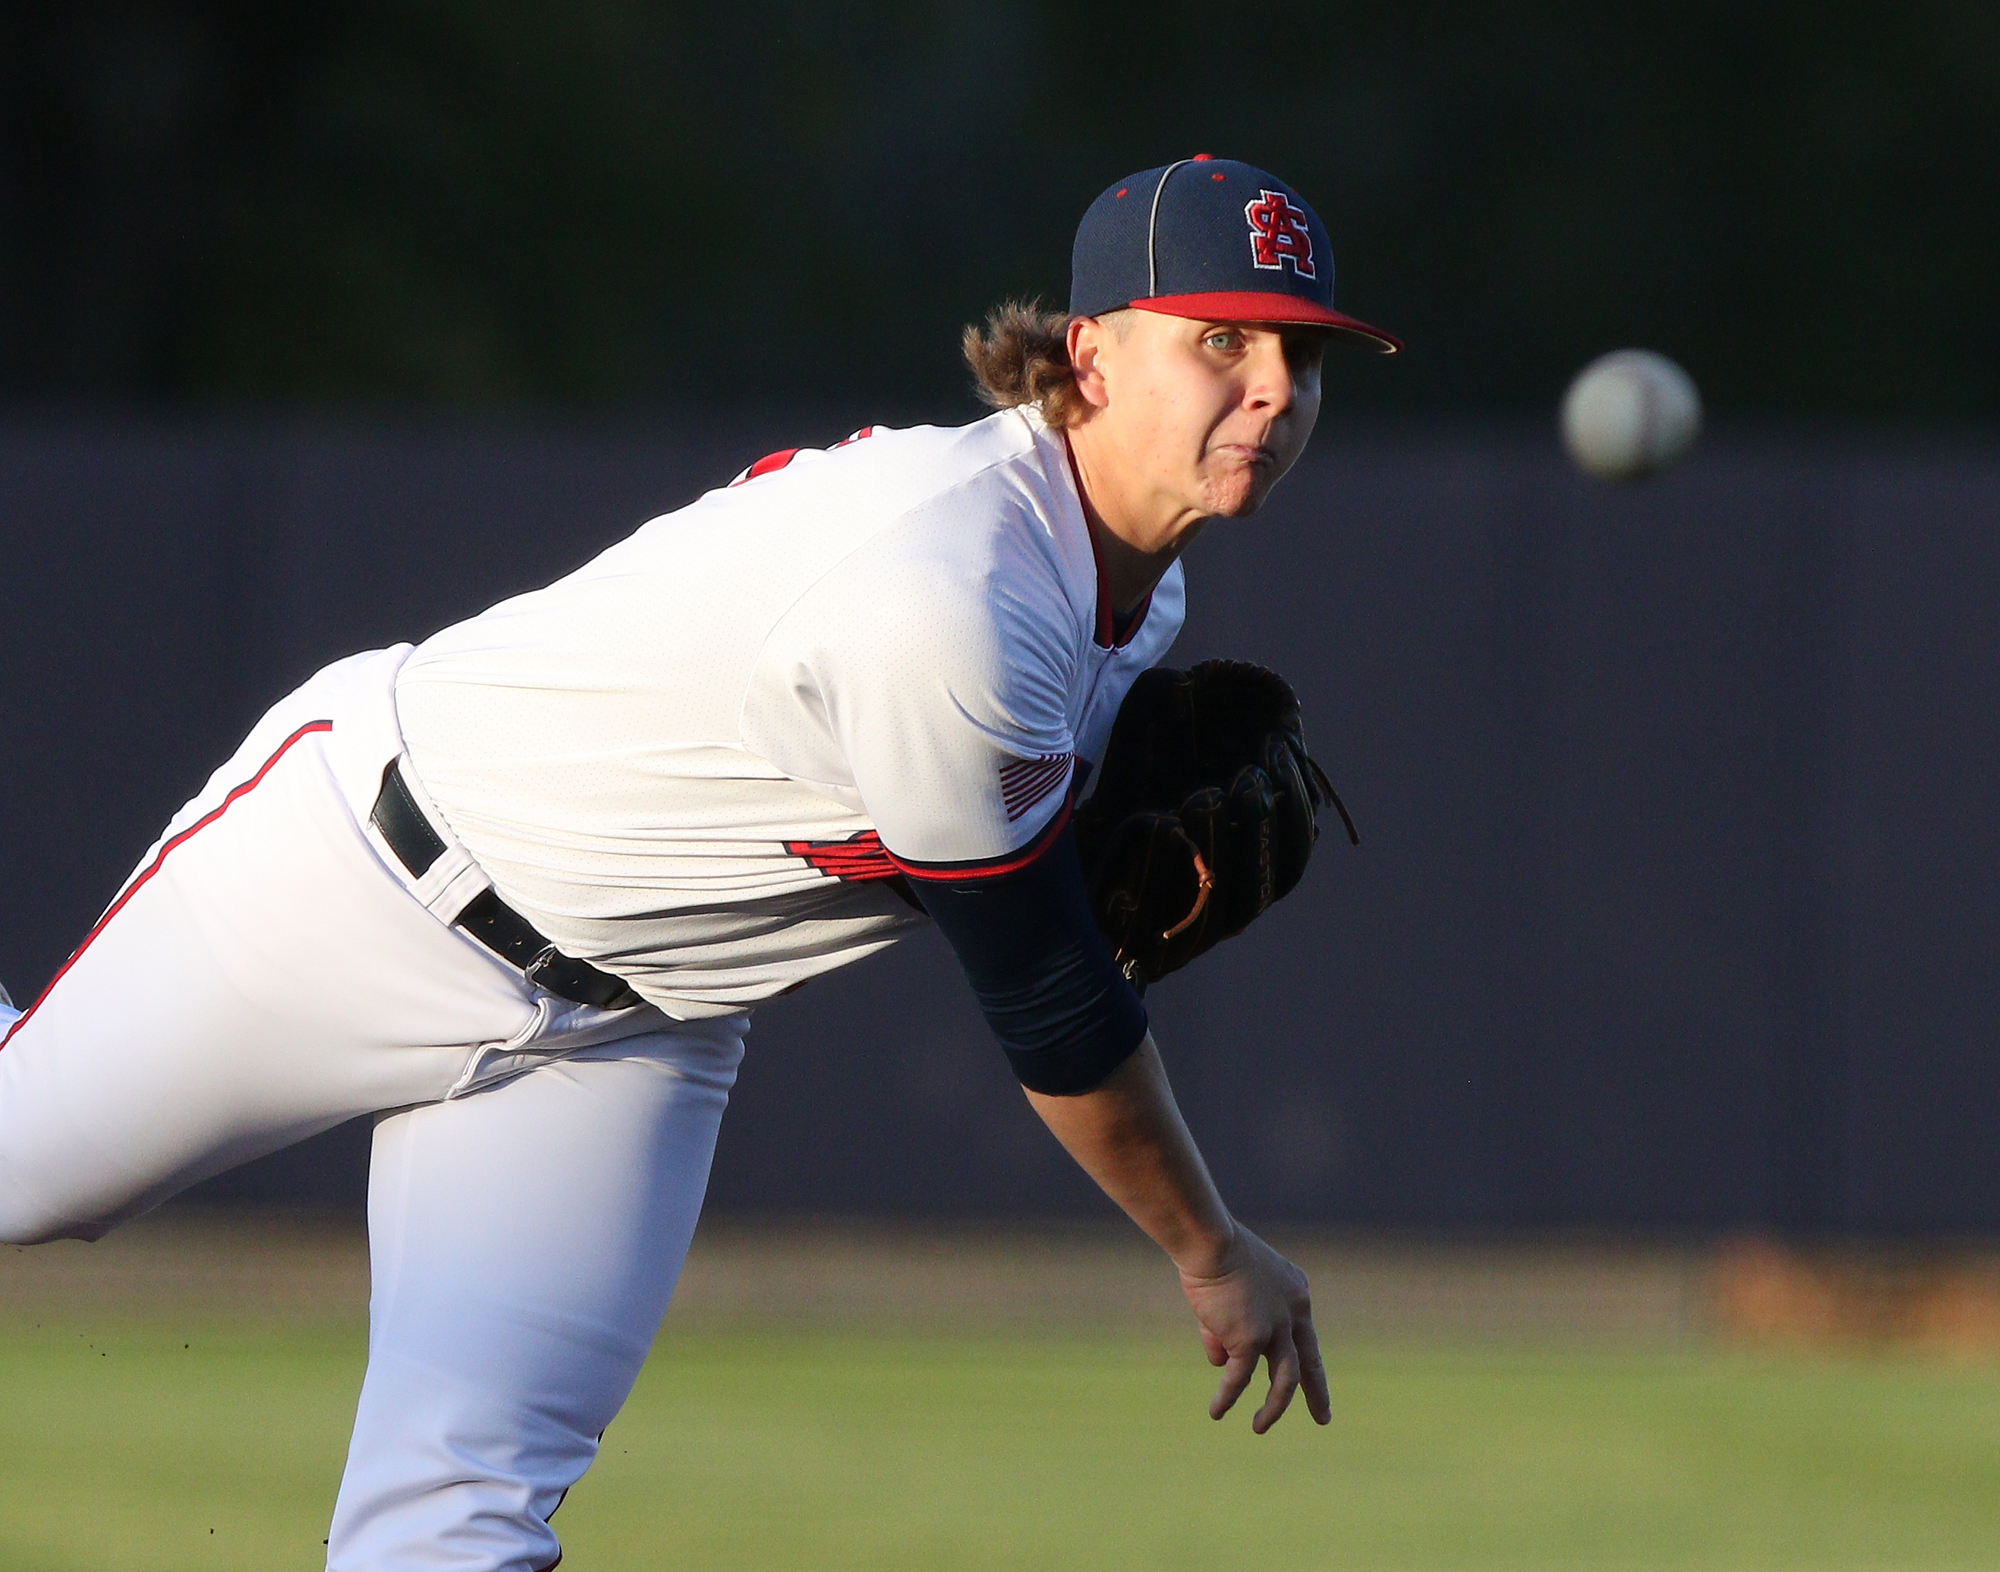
[[1006, 863]]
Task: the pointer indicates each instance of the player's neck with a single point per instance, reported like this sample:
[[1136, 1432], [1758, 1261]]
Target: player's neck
[[1138, 532]]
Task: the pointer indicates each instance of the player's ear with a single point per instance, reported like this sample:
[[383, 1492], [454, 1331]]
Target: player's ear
[[1086, 343]]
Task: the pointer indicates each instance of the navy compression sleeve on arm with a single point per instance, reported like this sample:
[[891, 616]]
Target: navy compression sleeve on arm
[[1041, 970]]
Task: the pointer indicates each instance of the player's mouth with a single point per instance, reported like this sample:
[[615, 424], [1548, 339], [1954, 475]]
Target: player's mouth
[[1253, 454]]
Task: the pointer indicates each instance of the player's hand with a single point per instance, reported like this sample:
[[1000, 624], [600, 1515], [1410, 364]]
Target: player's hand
[[1254, 1306]]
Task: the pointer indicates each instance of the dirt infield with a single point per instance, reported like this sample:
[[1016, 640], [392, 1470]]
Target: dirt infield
[[805, 1274], [1936, 1298]]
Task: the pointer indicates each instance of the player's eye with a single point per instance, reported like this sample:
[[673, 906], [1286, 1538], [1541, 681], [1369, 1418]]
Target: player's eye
[[1224, 340], [1304, 351]]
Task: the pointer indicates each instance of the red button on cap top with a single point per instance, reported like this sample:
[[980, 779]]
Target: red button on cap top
[[1202, 158]]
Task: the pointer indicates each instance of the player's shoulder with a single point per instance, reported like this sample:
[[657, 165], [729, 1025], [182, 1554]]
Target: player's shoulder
[[988, 562], [1003, 529], [976, 506], [897, 468]]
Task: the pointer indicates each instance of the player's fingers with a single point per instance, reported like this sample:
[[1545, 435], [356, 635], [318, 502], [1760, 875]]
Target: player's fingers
[[1284, 1357], [1312, 1372], [1213, 1346], [1235, 1377]]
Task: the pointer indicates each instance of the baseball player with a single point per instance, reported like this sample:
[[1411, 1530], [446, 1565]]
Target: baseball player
[[514, 890]]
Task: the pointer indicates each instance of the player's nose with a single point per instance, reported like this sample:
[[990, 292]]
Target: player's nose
[[1268, 386]]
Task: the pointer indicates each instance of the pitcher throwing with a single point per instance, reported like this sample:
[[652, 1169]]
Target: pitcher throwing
[[515, 889]]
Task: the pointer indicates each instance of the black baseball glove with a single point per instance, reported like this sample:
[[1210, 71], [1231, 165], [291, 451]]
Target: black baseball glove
[[1204, 813]]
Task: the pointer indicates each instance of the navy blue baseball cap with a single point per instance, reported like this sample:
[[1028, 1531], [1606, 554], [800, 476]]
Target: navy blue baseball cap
[[1211, 238]]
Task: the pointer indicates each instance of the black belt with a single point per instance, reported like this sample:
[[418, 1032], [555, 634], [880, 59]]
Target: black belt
[[489, 919]]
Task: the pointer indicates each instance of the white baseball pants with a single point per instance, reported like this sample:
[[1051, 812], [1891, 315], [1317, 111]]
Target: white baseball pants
[[538, 1166]]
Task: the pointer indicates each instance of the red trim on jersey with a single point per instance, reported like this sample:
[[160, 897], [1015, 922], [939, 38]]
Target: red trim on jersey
[[1025, 782], [1103, 636], [1257, 305], [153, 867], [770, 463], [1006, 862], [767, 464], [857, 859]]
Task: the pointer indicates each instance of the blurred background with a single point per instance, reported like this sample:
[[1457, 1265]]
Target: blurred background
[[322, 325], [630, 205], [1675, 916]]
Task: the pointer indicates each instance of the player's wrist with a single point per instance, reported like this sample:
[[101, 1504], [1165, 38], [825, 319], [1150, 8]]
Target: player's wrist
[[1207, 1252]]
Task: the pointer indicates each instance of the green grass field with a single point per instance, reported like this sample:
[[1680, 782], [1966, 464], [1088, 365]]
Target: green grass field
[[129, 1448]]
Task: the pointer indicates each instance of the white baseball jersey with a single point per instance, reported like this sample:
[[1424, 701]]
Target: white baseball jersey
[[695, 760]]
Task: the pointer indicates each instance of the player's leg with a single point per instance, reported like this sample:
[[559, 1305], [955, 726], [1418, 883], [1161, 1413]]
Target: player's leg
[[525, 1241], [260, 978]]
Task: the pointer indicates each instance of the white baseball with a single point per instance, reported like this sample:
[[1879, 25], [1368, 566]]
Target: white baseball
[[1630, 414]]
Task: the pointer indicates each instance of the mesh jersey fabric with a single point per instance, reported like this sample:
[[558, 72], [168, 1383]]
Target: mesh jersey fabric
[[695, 760]]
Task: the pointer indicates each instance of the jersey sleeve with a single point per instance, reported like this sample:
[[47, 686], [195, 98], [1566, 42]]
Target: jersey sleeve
[[940, 688], [1044, 977]]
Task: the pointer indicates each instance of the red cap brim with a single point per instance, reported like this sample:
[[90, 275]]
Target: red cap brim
[[1266, 306]]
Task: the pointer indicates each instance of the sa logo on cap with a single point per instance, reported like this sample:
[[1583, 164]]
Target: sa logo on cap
[[1278, 234]]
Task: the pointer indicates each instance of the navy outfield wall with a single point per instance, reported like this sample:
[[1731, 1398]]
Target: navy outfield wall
[[1678, 900]]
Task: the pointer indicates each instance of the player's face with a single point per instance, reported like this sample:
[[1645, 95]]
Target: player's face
[[1212, 413]]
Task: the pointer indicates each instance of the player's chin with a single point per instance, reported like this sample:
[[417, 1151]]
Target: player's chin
[[1240, 489]]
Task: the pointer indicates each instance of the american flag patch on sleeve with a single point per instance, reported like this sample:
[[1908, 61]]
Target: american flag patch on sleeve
[[1025, 782]]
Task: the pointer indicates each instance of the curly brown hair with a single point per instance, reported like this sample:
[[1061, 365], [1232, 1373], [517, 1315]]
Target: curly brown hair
[[1021, 356]]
